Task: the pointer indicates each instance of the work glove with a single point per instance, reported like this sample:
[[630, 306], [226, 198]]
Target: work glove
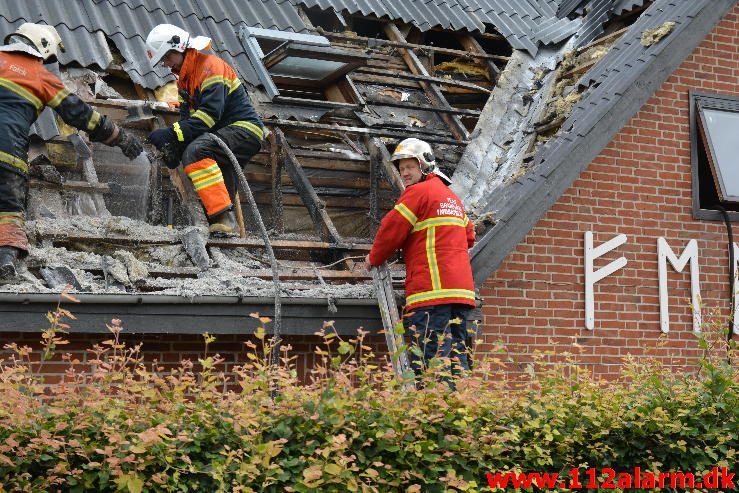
[[161, 136], [171, 152], [129, 144]]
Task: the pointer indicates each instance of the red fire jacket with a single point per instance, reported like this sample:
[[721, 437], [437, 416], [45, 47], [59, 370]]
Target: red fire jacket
[[429, 223]]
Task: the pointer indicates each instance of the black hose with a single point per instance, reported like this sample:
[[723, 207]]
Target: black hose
[[277, 321], [732, 273]]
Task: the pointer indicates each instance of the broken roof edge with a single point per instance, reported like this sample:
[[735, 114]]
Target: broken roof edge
[[26, 312], [499, 240]]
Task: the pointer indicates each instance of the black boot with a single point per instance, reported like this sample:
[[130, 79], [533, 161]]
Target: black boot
[[8, 257], [224, 225]]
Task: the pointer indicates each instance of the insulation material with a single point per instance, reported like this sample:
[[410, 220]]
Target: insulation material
[[462, 66], [651, 36], [167, 93]]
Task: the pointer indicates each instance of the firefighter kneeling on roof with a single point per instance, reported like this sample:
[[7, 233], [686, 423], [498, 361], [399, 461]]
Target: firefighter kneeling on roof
[[212, 100], [429, 224], [26, 87]]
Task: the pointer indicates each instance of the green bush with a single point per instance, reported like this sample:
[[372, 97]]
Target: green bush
[[124, 426]]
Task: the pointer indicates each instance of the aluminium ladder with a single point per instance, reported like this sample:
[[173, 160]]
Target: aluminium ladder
[[383, 283]]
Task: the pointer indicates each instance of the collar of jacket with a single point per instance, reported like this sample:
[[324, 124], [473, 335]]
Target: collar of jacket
[[189, 65]]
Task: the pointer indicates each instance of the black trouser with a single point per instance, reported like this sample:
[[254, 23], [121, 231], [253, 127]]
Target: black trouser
[[242, 143], [13, 199], [439, 331], [13, 190]]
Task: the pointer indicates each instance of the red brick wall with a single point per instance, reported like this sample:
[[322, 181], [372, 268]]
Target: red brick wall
[[639, 185], [166, 351]]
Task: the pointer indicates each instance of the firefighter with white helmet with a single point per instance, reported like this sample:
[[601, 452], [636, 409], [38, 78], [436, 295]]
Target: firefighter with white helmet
[[26, 87], [429, 225], [212, 101]]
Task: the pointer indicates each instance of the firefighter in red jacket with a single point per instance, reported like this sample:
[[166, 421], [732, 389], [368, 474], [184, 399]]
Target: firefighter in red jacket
[[429, 224], [26, 87], [212, 101]]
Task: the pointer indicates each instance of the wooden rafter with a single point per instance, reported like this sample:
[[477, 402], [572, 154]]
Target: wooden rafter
[[316, 208], [432, 90]]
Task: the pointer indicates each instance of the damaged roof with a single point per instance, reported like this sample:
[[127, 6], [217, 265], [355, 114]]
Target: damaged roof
[[616, 88], [126, 23]]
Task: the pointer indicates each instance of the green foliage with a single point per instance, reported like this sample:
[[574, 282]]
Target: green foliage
[[123, 426]]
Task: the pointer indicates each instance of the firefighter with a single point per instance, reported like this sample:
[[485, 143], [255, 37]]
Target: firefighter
[[430, 226], [26, 87], [212, 100]]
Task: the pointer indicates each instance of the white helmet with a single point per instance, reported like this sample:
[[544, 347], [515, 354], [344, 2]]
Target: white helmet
[[44, 38], [167, 37], [421, 151]]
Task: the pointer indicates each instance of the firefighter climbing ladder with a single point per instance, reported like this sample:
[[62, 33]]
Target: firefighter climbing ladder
[[383, 283]]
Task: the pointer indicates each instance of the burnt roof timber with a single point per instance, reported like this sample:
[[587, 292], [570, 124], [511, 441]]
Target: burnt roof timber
[[414, 46], [432, 90], [316, 208], [425, 78]]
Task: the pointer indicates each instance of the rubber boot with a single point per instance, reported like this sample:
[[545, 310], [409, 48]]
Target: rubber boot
[[224, 225], [8, 258]]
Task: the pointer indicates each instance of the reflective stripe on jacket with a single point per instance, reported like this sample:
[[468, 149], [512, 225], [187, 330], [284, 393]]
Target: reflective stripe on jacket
[[215, 98], [26, 87], [429, 224]]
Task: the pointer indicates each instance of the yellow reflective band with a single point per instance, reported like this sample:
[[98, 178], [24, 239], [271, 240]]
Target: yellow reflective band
[[440, 294], [180, 99], [14, 161], [213, 168], [178, 132], [209, 183], [439, 221], [17, 218], [207, 177], [252, 127], [22, 92], [234, 85], [205, 117], [56, 100], [431, 257], [216, 79], [94, 120], [466, 220], [406, 213]]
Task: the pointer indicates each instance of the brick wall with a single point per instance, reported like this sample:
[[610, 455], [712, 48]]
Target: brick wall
[[639, 185], [166, 351]]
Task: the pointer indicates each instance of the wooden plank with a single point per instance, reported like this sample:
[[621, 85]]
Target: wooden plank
[[385, 80], [316, 208], [412, 106], [380, 155], [432, 90], [317, 181], [277, 244], [366, 131], [402, 43], [472, 45], [265, 198], [426, 78], [275, 159]]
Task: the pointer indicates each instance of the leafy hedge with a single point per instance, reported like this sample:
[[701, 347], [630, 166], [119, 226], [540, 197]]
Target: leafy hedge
[[127, 427]]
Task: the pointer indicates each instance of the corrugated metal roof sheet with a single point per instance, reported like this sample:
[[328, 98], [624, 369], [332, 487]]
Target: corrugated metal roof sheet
[[567, 7], [597, 13], [424, 14], [524, 23], [81, 24]]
